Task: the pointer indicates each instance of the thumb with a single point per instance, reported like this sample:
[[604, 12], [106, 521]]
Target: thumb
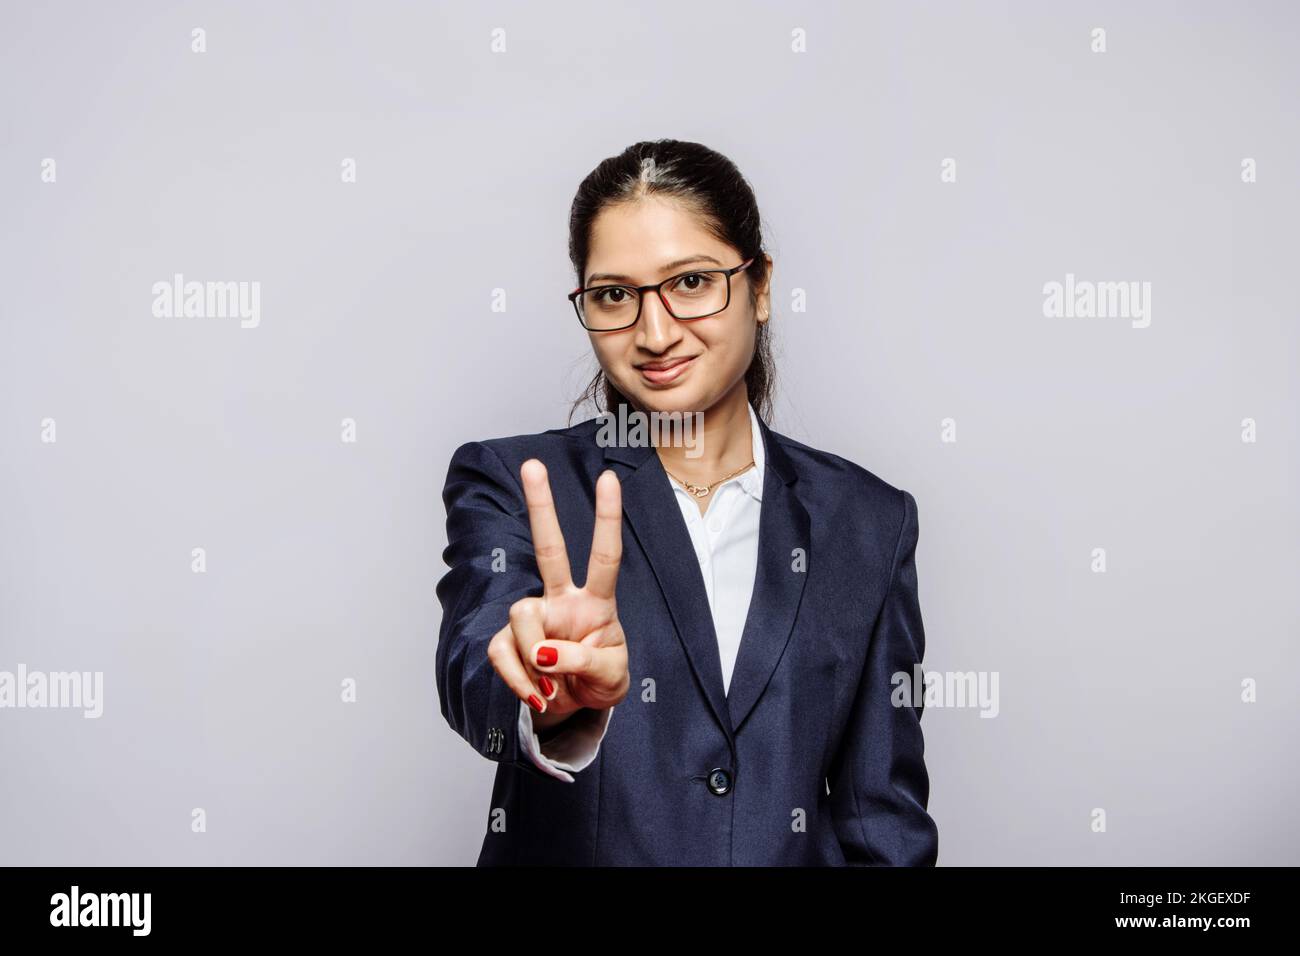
[[580, 659]]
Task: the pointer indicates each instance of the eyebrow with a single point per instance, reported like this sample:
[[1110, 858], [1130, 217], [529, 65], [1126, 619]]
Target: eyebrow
[[666, 267]]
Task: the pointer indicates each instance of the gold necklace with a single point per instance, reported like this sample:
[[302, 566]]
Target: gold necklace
[[699, 491]]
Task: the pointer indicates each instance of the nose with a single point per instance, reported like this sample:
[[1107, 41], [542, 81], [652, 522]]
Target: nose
[[656, 331]]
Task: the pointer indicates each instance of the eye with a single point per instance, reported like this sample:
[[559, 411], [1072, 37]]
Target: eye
[[694, 282]]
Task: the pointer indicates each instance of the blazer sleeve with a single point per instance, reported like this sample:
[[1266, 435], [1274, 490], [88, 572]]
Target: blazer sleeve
[[878, 782], [491, 565]]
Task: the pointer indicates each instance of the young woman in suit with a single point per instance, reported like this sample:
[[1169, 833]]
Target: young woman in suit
[[721, 689]]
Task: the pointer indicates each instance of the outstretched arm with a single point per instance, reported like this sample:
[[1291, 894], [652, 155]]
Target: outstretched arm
[[487, 530], [504, 546]]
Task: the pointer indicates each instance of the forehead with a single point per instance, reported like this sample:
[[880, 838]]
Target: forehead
[[636, 239]]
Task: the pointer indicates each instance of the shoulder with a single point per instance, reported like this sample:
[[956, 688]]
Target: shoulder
[[500, 457], [843, 487], [554, 439]]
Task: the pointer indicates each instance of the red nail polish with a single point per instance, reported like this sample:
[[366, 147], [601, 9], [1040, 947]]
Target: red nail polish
[[548, 687], [535, 702], [546, 656]]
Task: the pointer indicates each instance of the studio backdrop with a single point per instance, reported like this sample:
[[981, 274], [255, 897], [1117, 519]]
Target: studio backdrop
[[1033, 263]]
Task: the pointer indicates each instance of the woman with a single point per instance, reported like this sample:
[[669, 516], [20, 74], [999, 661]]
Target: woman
[[747, 599]]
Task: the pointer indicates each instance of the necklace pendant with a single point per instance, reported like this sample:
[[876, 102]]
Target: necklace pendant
[[697, 490]]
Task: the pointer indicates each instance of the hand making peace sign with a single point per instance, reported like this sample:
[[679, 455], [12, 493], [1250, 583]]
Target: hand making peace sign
[[570, 637]]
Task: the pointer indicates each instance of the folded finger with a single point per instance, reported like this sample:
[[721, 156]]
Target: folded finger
[[526, 621], [503, 652]]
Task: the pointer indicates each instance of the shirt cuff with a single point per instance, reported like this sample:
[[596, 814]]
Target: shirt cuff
[[572, 748]]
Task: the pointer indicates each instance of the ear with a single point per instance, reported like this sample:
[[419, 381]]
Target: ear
[[763, 296]]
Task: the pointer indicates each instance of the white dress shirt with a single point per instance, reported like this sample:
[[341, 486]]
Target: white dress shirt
[[725, 538]]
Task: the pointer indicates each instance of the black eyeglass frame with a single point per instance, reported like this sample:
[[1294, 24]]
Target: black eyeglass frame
[[657, 288]]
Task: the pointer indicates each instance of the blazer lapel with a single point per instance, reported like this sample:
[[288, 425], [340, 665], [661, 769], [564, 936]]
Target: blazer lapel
[[783, 526], [651, 509]]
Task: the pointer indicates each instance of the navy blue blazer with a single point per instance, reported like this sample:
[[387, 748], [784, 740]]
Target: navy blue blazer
[[804, 760]]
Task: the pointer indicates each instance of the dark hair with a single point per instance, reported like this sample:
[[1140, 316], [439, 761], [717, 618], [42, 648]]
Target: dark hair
[[710, 185]]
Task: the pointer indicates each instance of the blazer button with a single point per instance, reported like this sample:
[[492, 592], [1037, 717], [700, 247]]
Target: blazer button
[[719, 781]]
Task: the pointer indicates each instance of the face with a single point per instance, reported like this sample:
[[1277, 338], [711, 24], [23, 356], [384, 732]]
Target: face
[[663, 364]]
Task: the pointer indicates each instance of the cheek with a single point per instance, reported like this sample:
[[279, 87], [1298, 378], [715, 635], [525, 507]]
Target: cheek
[[609, 351], [731, 346], [615, 356]]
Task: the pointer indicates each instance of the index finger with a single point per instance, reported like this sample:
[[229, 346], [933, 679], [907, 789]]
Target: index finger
[[607, 539], [548, 541]]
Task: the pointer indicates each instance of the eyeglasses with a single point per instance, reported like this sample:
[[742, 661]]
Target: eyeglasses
[[690, 295]]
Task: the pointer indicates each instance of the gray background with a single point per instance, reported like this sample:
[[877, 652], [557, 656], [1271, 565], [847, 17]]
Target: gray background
[[1119, 690]]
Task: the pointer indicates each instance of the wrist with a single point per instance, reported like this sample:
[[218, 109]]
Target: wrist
[[547, 725]]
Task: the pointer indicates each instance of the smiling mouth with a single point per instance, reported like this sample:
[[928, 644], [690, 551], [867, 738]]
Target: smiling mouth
[[661, 373]]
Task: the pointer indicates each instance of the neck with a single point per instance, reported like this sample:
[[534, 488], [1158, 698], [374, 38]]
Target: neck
[[724, 444]]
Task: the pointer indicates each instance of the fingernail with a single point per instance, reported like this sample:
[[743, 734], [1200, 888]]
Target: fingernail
[[548, 686], [536, 703], [546, 656]]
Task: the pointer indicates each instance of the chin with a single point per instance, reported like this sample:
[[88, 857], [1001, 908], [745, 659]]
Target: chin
[[667, 399]]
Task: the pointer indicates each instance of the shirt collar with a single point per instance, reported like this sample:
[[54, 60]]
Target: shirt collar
[[752, 480]]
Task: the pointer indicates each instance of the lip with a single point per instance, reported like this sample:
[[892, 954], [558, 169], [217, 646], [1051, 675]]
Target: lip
[[661, 373]]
